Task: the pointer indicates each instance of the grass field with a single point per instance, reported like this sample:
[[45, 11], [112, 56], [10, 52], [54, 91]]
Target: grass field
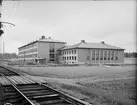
[[94, 84], [99, 85]]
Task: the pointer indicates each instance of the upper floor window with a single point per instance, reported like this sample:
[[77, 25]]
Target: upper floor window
[[69, 51], [74, 51]]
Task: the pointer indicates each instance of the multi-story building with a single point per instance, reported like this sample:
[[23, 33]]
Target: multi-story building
[[49, 50], [42, 50], [91, 53]]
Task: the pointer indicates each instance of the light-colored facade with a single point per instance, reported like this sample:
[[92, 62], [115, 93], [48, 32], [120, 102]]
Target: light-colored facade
[[42, 50], [91, 53], [49, 50]]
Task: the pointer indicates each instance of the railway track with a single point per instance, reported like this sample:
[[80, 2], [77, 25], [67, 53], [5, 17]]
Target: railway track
[[33, 93], [7, 72]]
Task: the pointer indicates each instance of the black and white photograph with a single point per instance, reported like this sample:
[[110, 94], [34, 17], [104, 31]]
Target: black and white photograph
[[68, 52]]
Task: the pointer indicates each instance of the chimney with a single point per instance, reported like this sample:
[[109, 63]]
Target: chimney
[[102, 42], [82, 41], [43, 37]]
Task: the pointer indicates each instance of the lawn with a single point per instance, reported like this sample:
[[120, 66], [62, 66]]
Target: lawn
[[81, 71]]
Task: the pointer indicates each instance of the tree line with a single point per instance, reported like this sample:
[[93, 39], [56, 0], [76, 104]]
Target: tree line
[[130, 54], [8, 55]]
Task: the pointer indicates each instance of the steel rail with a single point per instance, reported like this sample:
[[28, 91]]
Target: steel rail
[[68, 97], [64, 96], [15, 87]]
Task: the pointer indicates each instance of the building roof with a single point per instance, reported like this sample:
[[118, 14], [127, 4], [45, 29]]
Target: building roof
[[43, 39], [49, 39], [88, 45]]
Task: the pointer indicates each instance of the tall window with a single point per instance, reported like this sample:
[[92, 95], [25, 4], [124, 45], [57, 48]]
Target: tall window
[[105, 55], [52, 47], [74, 51], [101, 55], [75, 58], [97, 54], [72, 57], [93, 55]]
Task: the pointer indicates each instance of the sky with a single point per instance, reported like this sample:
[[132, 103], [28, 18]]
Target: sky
[[71, 21]]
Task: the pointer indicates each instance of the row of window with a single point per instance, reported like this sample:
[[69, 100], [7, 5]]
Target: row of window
[[105, 52], [69, 58], [28, 46], [29, 51], [68, 52], [112, 58], [29, 56], [70, 62]]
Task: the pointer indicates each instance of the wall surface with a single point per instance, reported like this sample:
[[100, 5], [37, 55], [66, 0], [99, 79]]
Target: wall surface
[[43, 50], [85, 56], [82, 55]]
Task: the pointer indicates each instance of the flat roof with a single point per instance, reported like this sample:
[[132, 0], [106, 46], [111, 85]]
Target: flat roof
[[47, 40]]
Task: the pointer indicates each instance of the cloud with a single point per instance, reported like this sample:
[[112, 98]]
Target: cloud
[[72, 22]]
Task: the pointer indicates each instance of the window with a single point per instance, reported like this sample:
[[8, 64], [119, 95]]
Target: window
[[51, 50], [52, 56], [93, 58], [104, 58], [93, 52], [96, 58], [100, 58], [74, 51], [88, 57], [116, 58], [111, 58], [70, 58], [69, 51], [75, 58]]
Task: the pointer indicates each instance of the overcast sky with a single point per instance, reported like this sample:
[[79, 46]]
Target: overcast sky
[[93, 21]]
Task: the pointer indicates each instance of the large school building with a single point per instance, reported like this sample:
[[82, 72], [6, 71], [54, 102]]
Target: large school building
[[42, 51], [91, 53], [47, 50]]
